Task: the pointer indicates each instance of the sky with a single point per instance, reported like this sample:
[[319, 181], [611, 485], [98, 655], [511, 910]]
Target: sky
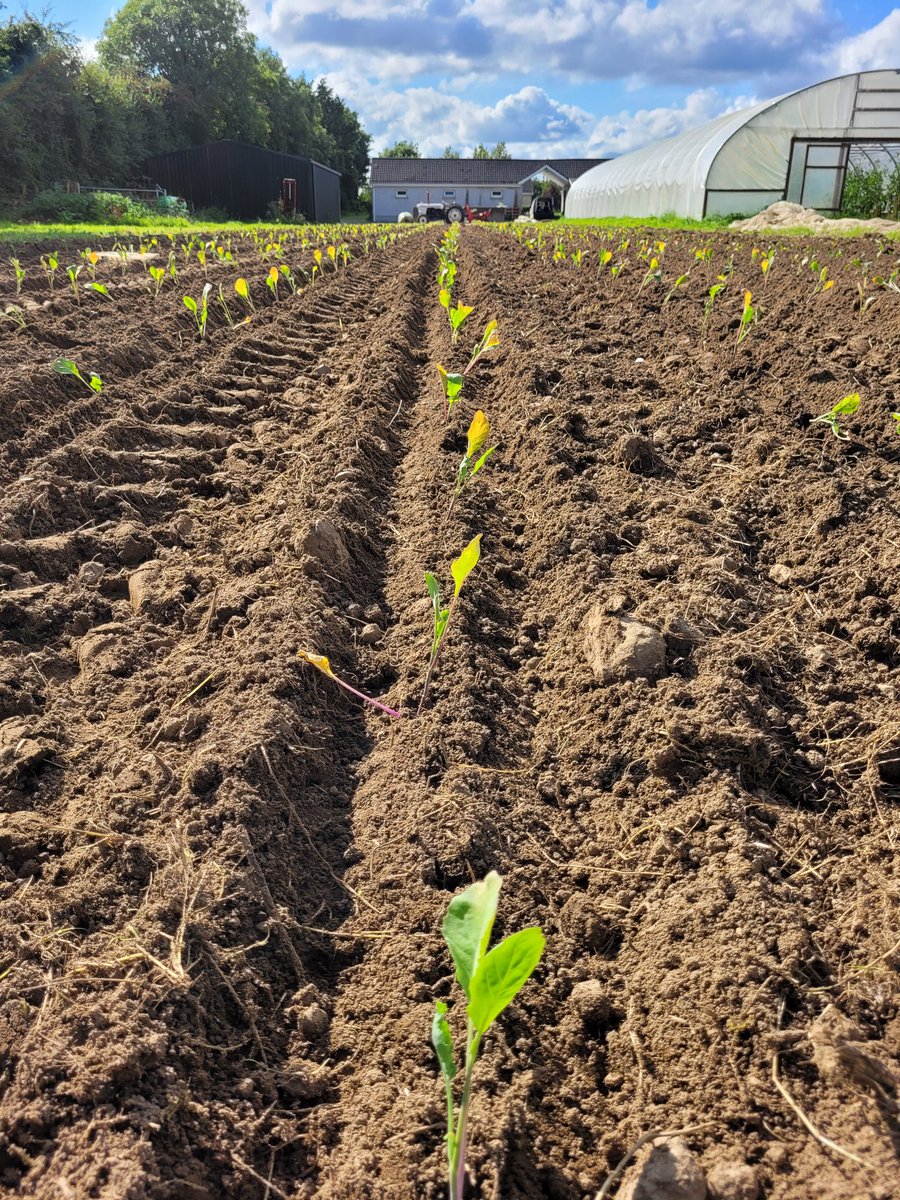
[[555, 78]]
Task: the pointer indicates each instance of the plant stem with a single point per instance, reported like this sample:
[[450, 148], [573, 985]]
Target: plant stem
[[391, 712], [434, 657], [460, 1140]]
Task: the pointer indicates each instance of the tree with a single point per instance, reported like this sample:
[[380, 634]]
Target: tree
[[401, 150], [204, 50], [500, 151], [350, 143], [481, 151], [449, 152]]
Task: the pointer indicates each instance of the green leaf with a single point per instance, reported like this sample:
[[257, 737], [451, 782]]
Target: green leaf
[[501, 974], [848, 405], [463, 566], [65, 366], [468, 924], [96, 383], [101, 288], [444, 298], [434, 591], [190, 303], [487, 454], [442, 1040]]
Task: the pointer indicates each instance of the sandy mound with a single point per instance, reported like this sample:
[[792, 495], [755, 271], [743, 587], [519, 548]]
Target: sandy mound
[[784, 214]]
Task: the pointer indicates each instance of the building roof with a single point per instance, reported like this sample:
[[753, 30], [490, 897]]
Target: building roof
[[188, 151], [495, 172]]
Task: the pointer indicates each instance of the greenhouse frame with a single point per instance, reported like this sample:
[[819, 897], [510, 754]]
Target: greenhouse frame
[[796, 147]]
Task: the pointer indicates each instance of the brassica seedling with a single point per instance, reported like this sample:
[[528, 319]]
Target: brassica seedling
[[50, 262], [452, 386], [73, 273], [843, 408], [489, 340], [679, 282], [243, 290], [490, 980], [157, 274], [200, 313], [457, 318], [100, 288], [14, 314], [710, 301], [20, 274], [895, 415], [479, 431], [321, 663], [65, 366], [748, 318], [460, 568], [272, 281]]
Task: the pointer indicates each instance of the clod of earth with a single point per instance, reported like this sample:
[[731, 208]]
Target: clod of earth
[[324, 542], [732, 1181], [666, 1171], [620, 648]]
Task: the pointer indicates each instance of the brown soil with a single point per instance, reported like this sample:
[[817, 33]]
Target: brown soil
[[222, 880]]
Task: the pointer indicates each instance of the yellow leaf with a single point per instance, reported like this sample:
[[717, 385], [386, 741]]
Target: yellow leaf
[[316, 660], [317, 255], [93, 257], [441, 371], [444, 298], [748, 296], [242, 288], [273, 274], [828, 285], [463, 566], [478, 433]]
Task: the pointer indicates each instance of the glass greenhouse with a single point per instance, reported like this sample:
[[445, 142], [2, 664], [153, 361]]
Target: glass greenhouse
[[796, 147]]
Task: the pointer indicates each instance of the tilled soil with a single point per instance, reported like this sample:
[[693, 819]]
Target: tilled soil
[[222, 878]]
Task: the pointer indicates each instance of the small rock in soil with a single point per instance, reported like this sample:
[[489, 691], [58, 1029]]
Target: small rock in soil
[[668, 1171], [780, 574], [620, 648], [90, 573], [312, 1021], [323, 541], [732, 1181], [371, 635], [590, 1001]]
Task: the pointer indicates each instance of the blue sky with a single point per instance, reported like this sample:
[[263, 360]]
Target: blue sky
[[556, 77]]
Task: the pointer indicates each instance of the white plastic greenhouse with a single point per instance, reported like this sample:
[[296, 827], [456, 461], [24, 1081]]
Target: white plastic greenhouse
[[795, 147]]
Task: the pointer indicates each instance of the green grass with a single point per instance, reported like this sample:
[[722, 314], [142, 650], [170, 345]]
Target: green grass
[[20, 231], [666, 221]]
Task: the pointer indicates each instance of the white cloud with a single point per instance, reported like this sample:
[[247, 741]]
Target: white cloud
[[669, 41], [630, 130], [875, 49], [87, 48]]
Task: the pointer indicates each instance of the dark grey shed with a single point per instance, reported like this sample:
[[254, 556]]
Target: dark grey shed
[[245, 179]]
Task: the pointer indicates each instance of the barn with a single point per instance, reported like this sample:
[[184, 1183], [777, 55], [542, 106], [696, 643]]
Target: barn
[[797, 147], [244, 179], [399, 184]]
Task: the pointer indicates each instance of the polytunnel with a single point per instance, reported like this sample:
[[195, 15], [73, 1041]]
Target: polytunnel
[[796, 147]]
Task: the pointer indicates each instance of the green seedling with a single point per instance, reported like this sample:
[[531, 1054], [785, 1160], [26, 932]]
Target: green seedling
[[489, 340], [679, 282], [452, 386], [20, 274], [896, 415], [823, 283], [243, 290], [479, 431], [14, 314], [100, 288], [457, 319], [91, 258], [654, 274], [446, 276], [460, 568], [65, 366], [225, 309], [289, 279], [321, 663], [73, 273], [199, 312], [843, 408], [157, 274], [490, 980], [748, 318], [605, 259], [272, 281], [50, 263]]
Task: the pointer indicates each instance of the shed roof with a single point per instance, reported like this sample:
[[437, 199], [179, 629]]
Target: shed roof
[[233, 142], [487, 171]]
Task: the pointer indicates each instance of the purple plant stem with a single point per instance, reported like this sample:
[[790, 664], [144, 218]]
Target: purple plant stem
[[391, 712]]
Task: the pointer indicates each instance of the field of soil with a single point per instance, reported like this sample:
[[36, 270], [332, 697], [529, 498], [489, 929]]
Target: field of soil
[[667, 714]]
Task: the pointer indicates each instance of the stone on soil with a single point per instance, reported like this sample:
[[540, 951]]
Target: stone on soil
[[620, 648], [666, 1171], [324, 542], [732, 1181]]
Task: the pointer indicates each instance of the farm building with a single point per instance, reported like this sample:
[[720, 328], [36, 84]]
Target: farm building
[[244, 180], [796, 147], [398, 184]]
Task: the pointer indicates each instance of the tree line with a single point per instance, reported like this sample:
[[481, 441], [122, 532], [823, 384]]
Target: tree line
[[168, 74]]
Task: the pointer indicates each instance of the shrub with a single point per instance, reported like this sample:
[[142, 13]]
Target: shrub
[[70, 208]]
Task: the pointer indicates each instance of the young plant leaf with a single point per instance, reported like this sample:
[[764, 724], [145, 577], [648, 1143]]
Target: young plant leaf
[[468, 924], [848, 405], [442, 1040], [501, 974], [95, 383], [477, 467], [462, 567], [478, 434], [65, 366]]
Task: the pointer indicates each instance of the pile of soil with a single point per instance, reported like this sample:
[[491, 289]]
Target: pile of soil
[[667, 715], [784, 214]]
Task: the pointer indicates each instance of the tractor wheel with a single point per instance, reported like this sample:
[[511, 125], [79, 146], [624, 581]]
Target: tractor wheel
[[454, 214], [422, 220]]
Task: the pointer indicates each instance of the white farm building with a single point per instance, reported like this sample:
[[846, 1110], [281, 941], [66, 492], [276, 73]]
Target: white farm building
[[796, 147]]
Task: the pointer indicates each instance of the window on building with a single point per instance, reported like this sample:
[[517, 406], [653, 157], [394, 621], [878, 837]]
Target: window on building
[[450, 195], [496, 195], [400, 195]]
